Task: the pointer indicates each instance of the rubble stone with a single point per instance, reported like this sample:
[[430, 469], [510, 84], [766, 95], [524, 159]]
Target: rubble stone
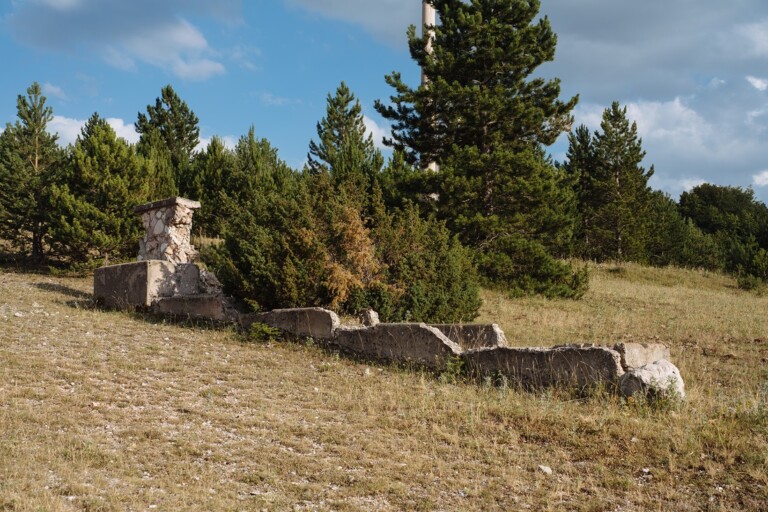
[[660, 379]]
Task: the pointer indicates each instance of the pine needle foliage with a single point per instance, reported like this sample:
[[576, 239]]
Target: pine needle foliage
[[484, 120], [94, 197]]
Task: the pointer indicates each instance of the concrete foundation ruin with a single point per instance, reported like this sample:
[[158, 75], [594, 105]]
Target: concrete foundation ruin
[[484, 354], [166, 280]]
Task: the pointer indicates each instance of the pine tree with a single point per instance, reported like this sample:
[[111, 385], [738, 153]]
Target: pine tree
[[478, 92], [343, 150], [157, 163], [257, 170], [177, 126], [29, 161], [484, 121], [93, 200], [210, 171], [620, 190], [580, 165]]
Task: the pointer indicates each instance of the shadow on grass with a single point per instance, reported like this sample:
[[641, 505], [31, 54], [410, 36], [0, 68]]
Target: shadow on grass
[[64, 290]]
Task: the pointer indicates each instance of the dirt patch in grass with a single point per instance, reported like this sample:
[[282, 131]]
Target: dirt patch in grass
[[107, 411]]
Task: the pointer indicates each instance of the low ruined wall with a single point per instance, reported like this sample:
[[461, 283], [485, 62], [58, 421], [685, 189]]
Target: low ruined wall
[[470, 336], [133, 284], [180, 290], [402, 343], [183, 290], [574, 365], [482, 348], [199, 307], [314, 322]]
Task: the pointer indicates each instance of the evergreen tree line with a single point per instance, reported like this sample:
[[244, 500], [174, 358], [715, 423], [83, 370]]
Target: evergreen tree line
[[620, 218], [320, 236], [352, 230]]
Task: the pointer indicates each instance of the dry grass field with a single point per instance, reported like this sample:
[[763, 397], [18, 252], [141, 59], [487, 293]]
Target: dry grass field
[[104, 411]]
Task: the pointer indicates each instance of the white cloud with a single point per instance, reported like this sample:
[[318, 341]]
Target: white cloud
[[197, 69], [230, 141], [54, 91], [761, 84], [687, 145], [675, 185], [61, 5], [271, 100], [244, 56], [376, 131], [126, 131], [385, 19], [179, 47], [588, 114], [669, 120], [672, 121], [755, 37], [67, 128], [716, 83], [125, 33], [670, 127], [760, 179], [118, 59]]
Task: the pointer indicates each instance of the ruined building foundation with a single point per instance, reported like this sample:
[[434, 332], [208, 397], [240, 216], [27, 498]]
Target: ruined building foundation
[[166, 280]]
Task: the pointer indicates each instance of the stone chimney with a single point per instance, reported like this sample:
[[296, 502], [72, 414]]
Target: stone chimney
[[168, 226]]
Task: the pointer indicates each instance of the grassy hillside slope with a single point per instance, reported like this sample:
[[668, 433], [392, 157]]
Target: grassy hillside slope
[[107, 411]]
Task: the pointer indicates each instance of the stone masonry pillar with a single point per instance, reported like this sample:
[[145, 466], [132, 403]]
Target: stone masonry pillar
[[168, 226]]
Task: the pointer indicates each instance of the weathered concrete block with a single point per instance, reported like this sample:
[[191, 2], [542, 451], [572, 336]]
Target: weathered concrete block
[[186, 279], [471, 336], [403, 343], [571, 365], [133, 284], [635, 355], [208, 307], [315, 322], [658, 379]]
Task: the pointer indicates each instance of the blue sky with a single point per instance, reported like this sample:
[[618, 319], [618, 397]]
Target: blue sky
[[693, 73]]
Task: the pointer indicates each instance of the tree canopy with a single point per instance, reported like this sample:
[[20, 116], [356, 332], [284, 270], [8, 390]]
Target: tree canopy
[[484, 120], [29, 159], [479, 90], [171, 122]]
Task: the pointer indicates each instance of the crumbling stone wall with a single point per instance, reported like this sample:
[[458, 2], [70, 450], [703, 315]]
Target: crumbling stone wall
[[168, 229]]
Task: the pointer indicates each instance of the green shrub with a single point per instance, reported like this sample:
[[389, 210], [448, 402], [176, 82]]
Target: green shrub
[[524, 267], [313, 247]]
